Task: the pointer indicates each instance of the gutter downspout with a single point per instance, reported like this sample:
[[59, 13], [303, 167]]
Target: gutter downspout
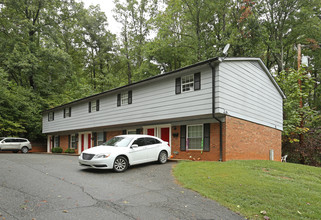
[[213, 110]]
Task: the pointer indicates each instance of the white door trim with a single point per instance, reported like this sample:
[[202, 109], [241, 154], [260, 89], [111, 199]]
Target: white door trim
[[158, 130], [85, 140]]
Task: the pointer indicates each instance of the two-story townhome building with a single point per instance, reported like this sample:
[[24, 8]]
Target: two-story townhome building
[[218, 109]]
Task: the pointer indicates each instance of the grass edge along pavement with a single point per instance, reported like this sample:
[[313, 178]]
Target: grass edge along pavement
[[256, 189]]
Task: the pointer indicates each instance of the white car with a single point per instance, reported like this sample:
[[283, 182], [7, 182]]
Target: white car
[[122, 151], [15, 144]]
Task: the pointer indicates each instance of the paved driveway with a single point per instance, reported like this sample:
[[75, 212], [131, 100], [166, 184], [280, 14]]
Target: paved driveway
[[41, 186]]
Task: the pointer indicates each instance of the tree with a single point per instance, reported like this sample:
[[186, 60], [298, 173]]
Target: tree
[[293, 113], [135, 16], [99, 43]]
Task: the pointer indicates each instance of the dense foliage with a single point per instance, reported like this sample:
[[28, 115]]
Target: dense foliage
[[52, 52]]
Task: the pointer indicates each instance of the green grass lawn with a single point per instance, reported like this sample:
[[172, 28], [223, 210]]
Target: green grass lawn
[[280, 190]]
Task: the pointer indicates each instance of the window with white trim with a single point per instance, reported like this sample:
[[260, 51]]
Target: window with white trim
[[56, 141], [93, 106], [131, 131], [188, 83], [194, 137], [73, 141], [124, 98], [51, 116], [100, 138], [67, 112]]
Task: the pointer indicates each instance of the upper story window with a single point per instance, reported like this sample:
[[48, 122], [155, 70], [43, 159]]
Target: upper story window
[[67, 112], [188, 83], [51, 116], [93, 106], [125, 98]]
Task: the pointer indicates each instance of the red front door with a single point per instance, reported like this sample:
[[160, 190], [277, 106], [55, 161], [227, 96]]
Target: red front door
[[165, 134], [82, 142], [89, 141], [151, 131]]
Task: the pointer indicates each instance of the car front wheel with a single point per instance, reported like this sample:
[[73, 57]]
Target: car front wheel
[[162, 157], [120, 164], [24, 150]]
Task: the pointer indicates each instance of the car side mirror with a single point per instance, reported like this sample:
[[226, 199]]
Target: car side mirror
[[134, 146]]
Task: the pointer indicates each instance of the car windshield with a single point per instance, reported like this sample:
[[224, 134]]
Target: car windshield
[[118, 142]]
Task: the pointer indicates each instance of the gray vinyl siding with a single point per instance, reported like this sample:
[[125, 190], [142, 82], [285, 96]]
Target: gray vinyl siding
[[244, 90], [151, 101]]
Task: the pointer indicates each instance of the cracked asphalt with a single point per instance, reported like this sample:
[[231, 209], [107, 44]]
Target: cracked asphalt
[[43, 186]]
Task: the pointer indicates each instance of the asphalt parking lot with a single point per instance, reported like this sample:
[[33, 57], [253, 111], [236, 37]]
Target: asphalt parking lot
[[44, 186]]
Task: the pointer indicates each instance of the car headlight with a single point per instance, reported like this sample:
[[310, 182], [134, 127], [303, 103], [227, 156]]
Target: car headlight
[[101, 155]]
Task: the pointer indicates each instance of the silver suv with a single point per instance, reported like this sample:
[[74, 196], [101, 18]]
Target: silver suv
[[15, 144]]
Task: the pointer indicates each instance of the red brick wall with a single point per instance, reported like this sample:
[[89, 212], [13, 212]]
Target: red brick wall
[[213, 154], [242, 140], [64, 142], [39, 147], [249, 141], [111, 134]]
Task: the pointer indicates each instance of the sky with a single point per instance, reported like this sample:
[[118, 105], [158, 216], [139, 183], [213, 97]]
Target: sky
[[106, 6]]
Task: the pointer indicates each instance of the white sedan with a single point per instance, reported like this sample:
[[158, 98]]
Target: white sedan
[[122, 151]]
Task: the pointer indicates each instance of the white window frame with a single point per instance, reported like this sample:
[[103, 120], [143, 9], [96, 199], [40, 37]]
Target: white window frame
[[51, 116], [188, 138], [93, 106], [56, 140], [73, 140], [124, 98], [187, 83], [100, 141], [67, 112], [132, 131]]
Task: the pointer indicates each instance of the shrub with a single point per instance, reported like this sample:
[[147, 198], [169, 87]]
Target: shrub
[[309, 153], [57, 150], [70, 151]]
